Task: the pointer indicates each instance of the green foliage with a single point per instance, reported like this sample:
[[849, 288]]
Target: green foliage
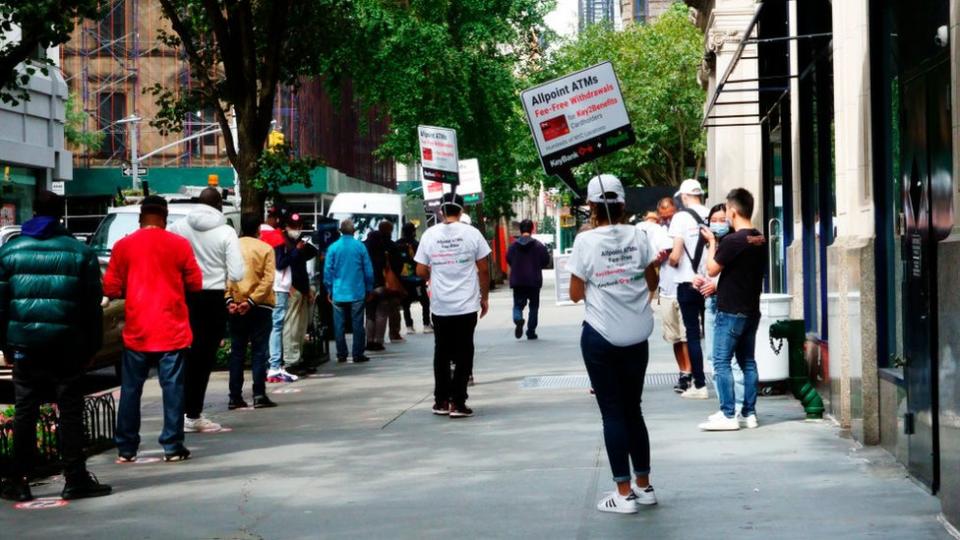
[[657, 67], [449, 63], [278, 167], [42, 24], [75, 127], [547, 226]]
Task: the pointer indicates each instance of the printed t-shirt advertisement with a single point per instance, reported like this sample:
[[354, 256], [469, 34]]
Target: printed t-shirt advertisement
[[452, 250], [578, 118]]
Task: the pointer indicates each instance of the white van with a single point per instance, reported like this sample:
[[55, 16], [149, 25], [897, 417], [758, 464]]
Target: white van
[[367, 210]]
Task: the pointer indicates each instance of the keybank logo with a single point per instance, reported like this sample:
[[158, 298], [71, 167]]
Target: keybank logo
[[564, 159]]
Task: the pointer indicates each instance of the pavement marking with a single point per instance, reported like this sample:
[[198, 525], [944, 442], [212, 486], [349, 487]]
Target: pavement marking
[[287, 391], [43, 503]]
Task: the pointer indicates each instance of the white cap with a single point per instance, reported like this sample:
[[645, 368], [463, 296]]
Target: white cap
[[465, 219], [690, 187], [605, 184]]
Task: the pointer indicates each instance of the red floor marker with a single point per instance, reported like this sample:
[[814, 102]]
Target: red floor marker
[[42, 504]]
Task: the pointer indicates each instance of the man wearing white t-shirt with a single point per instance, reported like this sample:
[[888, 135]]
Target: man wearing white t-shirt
[[688, 260], [453, 257]]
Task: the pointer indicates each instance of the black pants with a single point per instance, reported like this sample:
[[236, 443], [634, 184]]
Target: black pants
[[34, 378], [453, 342], [416, 291], [208, 321], [692, 306]]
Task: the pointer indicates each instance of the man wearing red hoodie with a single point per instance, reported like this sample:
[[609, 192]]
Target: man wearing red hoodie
[[153, 269]]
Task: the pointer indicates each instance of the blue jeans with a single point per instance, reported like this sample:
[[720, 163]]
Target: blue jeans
[[735, 335], [710, 321], [252, 328], [691, 311], [355, 309], [276, 332], [522, 295], [134, 371], [617, 375]]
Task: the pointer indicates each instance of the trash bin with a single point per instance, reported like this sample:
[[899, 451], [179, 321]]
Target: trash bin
[[772, 366]]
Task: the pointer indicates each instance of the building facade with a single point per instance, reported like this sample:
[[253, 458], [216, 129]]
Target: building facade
[[842, 118]]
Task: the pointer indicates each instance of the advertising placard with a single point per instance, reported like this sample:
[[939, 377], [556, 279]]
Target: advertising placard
[[438, 154], [470, 187], [578, 118], [562, 275]]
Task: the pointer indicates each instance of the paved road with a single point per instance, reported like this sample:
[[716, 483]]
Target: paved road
[[355, 453]]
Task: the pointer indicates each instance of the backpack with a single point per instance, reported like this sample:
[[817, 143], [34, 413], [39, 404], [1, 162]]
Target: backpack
[[701, 241]]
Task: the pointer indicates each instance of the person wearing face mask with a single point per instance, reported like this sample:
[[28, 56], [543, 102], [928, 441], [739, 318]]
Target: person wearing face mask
[[292, 287], [720, 227]]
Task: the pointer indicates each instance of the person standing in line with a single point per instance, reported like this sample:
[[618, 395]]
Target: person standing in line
[[348, 276], [394, 304], [708, 288], [250, 306], [527, 258], [376, 328], [687, 259], [153, 270], [741, 262], [416, 287], [270, 231], [51, 324], [453, 258], [217, 248], [613, 268], [292, 287]]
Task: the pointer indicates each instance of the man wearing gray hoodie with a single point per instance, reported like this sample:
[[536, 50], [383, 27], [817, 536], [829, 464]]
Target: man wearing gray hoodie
[[217, 249]]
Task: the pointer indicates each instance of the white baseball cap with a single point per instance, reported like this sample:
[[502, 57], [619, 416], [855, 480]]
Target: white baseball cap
[[689, 187], [605, 188]]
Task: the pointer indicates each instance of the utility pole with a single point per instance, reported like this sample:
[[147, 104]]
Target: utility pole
[[132, 121]]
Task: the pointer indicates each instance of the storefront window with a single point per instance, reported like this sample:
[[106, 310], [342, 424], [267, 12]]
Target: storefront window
[[17, 191]]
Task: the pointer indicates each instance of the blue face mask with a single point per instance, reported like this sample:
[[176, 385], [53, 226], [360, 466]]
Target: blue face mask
[[720, 229]]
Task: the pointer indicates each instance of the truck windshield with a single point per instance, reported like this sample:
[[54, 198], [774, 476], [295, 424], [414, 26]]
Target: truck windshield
[[365, 223], [116, 226]]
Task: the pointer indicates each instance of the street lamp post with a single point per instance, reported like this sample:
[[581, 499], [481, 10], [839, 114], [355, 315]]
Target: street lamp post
[[133, 120]]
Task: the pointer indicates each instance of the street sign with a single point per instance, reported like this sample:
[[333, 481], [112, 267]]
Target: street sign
[[438, 154], [470, 187], [578, 118], [127, 170], [60, 188]]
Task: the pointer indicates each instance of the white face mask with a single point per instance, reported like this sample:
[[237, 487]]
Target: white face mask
[[294, 233]]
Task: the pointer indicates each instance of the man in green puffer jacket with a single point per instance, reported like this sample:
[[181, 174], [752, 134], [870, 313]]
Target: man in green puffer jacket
[[51, 325]]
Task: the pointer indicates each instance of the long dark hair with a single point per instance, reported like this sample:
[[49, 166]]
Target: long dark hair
[[716, 208]]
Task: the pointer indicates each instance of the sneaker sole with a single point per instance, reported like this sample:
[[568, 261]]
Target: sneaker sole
[[441, 413], [460, 415], [684, 396], [704, 427], [618, 510]]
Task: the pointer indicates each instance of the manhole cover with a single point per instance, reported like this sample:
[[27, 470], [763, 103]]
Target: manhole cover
[[583, 381]]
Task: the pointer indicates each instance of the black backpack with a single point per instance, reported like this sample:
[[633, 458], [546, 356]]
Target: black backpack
[[701, 241]]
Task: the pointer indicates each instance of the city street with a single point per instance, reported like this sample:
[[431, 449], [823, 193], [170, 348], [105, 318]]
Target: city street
[[353, 452]]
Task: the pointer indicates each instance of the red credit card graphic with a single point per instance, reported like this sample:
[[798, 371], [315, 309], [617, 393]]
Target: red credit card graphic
[[554, 127], [428, 154]]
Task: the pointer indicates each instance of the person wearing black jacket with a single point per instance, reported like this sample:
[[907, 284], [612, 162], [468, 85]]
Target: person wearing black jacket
[[292, 257], [415, 286], [385, 305], [527, 258]]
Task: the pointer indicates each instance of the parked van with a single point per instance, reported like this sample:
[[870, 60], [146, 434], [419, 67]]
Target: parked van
[[368, 209]]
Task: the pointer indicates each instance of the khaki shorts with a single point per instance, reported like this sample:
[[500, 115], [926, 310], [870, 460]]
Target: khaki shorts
[[673, 329]]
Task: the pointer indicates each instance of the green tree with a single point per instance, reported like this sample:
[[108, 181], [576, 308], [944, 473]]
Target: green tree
[[40, 24], [239, 52], [657, 67], [75, 127], [456, 64]]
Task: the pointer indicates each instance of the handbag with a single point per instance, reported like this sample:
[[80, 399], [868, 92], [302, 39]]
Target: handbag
[[392, 282]]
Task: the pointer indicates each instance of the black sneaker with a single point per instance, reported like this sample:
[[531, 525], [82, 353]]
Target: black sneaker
[[126, 458], [683, 382], [360, 359], [84, 487], [533, 336], [518, 331], [441, 408], [263, 402], [17, 490], [299, 370], [341, 359], [179, 455], [460, 411], [237, 404], [376, 347]]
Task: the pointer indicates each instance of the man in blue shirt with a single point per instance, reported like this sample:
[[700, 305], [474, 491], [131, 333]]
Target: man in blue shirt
[[348, 275]]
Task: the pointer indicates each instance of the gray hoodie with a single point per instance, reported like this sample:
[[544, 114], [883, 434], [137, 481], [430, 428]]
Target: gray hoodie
[[215, 244]]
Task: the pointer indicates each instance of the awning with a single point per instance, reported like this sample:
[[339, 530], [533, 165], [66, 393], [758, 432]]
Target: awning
[[729, 91]]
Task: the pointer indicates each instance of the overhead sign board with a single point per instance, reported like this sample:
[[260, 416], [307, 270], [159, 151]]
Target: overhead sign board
[[438, 154], [470, 187], [578, 118]]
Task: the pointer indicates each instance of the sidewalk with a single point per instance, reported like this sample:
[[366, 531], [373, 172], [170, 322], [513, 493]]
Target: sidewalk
[[355, 453]]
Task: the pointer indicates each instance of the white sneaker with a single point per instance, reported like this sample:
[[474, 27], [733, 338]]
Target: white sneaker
[[411, 330], [749, 422], [719, 422], [428, 329], [618, 504], [696, 393], [645, 496], [291, 377], [200, 425]]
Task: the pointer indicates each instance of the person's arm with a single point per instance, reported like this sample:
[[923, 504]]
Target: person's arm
[[578, 289], [652, 275], [510, 253], [192, 275], [545, 257], [676, 253], [93, 311], [422, 258], [286, 257], [483, 274], [675, 232], [713, 267], [235, 266], [329, 264], [423, 272], [115, 279], [368, 278]]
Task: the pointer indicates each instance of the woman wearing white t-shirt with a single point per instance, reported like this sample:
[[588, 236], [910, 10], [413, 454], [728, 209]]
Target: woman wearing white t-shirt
[[614, 268]]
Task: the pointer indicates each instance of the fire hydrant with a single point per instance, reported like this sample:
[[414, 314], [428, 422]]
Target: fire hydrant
[[800, 384]]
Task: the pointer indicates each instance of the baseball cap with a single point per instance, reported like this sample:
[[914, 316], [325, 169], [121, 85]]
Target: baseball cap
[[605, 188], [689, 187], [293, 220]]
